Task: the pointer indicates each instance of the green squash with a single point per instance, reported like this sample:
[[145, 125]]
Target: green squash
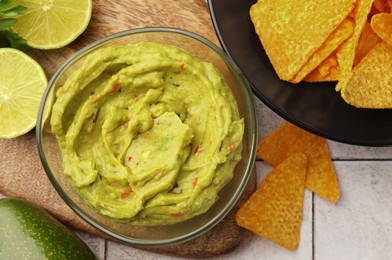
[[29, 232]]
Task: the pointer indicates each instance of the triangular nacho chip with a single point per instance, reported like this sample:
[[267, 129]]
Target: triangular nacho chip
[[325, 67], [367, 41], [382, 26], [274, 211], [382, 6], [344, 31], [371, 83], [276, 147], [289, 139], [346, 51], [328, 70], [316, 76], [292, 31], [320, 177]]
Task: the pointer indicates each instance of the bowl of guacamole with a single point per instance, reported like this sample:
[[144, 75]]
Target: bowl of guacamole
[[149, 135]]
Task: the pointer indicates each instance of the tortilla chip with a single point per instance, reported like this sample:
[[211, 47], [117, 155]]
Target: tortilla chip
[[274, 211], [382, 26], [289, 139], [321, 177], [334, 74], [275, 148], [367, 41], [315, 75], [325, 67], [382, 6], [346, 52], [344, 31], [292, 31], [373, 11], [328, 70], [371, 83]]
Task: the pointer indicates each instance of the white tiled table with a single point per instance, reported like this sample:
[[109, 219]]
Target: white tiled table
[[358, 227]]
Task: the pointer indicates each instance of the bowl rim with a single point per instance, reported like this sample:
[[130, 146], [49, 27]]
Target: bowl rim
[[250, 105]]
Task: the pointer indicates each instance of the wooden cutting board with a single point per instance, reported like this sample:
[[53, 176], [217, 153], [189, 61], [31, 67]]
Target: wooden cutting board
[[21, 172]]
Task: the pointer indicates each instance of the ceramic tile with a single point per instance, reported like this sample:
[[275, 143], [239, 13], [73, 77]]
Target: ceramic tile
[[267, 119], [96, 244], [359, 225], [340, 151], [119, 251]]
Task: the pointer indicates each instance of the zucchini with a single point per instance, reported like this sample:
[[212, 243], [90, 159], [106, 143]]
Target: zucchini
[[29, 232]]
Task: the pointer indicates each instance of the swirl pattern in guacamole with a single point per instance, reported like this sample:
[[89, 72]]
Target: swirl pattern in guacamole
[[149, 133]]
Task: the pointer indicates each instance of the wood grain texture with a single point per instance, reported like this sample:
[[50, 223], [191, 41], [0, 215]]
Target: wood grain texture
[[22, 175], [21, 172]]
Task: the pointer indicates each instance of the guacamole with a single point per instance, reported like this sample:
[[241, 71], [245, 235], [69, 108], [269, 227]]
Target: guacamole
[[149, 133]]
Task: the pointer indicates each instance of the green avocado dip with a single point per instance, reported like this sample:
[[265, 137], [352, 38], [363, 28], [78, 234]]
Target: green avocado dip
[[149, 133]]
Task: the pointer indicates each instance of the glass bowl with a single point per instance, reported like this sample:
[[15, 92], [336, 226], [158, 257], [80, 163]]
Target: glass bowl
[[152, 236]]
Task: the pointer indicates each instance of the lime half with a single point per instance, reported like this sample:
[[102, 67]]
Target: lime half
[[22, 83], [52, 24]]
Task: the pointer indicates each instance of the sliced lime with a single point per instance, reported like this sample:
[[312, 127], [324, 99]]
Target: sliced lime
[[22, 83], [52, 24]]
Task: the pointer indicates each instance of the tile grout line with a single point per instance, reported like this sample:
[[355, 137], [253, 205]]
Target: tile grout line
[[313, 228], [105, 255], [363, 160], [350, 160]]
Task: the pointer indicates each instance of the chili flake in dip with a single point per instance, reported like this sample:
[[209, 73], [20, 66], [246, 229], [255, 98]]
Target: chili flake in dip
[[149, 133]]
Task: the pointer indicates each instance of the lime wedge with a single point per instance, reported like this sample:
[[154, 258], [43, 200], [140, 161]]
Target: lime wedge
[[22, 83], [52, 24]]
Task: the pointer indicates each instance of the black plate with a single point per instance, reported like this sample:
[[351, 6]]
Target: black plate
[[314, 107]]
